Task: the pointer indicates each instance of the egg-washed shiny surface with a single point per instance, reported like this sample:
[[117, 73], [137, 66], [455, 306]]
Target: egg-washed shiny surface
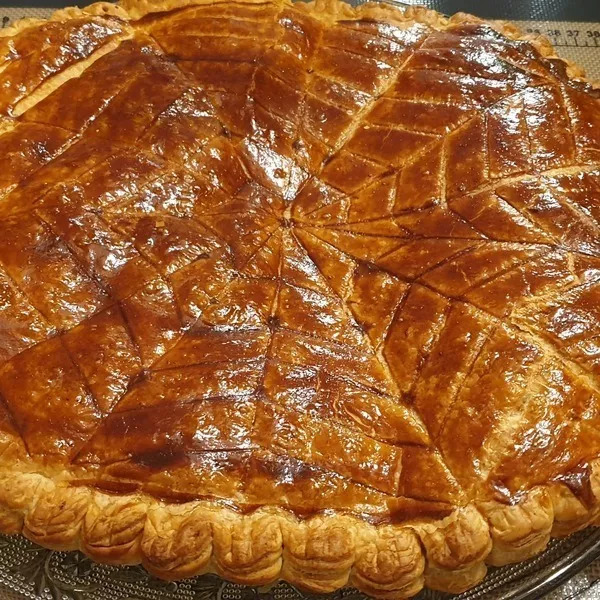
[[256, 256]]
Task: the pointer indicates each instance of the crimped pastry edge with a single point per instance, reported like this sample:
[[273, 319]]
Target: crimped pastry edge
[[98, 9], [324, 552], [328, 9], [137, 9], [321, 553], [541, 43]]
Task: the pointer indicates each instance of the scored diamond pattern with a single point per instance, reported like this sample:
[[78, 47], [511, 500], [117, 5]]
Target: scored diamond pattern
[[253, 254]]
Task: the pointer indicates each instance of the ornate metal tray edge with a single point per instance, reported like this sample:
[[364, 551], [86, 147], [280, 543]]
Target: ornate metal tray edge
[[565, 567], [28, 571]]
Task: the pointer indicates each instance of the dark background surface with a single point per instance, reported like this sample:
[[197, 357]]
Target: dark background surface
[[539, 10]]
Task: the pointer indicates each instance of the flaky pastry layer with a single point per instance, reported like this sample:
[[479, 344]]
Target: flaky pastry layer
[[321, 553]]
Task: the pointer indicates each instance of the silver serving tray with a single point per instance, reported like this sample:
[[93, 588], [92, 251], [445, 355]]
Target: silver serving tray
[[28, 571]]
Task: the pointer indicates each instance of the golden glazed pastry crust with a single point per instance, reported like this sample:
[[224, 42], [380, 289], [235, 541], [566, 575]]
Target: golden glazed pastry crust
[[297, 291]]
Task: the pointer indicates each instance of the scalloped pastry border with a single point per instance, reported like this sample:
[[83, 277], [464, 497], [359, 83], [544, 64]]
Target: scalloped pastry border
[[322, 553]]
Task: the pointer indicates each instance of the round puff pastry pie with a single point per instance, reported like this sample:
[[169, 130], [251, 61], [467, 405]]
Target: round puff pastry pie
[[297, 291]]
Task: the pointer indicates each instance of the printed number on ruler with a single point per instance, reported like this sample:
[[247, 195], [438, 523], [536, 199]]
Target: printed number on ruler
[[580, 38]]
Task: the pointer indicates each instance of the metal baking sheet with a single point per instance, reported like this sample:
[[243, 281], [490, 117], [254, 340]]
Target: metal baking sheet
[[569, 569]]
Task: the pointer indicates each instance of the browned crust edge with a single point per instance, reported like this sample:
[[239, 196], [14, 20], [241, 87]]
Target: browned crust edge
[[322, 553], [541, 43], [98, 9]]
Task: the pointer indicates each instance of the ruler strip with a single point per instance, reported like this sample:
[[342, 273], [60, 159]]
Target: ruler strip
[[575, 41], [566, 35]]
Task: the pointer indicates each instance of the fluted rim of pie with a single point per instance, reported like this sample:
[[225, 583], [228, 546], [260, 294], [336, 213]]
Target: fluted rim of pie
[[297, 291]]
